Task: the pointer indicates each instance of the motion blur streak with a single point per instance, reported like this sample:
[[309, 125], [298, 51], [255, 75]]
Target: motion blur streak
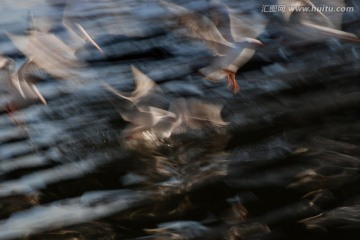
[[116, 121]]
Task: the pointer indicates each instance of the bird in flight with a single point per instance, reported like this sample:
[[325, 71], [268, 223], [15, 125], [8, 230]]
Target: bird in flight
[[233, 52]]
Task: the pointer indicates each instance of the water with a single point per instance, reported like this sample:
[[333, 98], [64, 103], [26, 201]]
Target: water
[[278, 160]]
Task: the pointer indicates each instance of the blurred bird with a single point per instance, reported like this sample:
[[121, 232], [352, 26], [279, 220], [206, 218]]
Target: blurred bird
[[149, 120], [16, 88], [142, 116], [233, 54], [51, 53], [183, 115], [192, 114], [297, 7], [324, 18], [315, 24]]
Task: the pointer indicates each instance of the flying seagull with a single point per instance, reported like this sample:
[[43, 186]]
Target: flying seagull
[[51, 53], [16, 87], [315, 24], [233, 54]]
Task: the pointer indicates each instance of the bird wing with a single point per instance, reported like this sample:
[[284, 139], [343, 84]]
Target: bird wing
[[49, 53], [301, 16], [26, 87], [79, 36], [199, 25], [333, 32], [183, 119], [7, 66], [209, 113], [165, 127], [194, 114], [146, 118], [143, 85], [246, 25]]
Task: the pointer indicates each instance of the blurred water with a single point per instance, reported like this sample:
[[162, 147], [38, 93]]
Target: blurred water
[[278, 160]]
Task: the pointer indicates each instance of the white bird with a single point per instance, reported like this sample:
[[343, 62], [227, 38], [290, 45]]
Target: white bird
[[316, 24], [27, 87], [298, 7], [233, 54], [52, 54], [192, 114], [142, 116], [332, 19], [16, 88], [183, 115], [158, 122], [49, 52]]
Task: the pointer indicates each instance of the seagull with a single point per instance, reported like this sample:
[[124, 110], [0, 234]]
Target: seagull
[[142, 116], [313, 16], [326, 18], [27, 87], [16, 88], [233, 54], [315, 25], [192, 114], [181, 116], [51, 53], [151, 123]]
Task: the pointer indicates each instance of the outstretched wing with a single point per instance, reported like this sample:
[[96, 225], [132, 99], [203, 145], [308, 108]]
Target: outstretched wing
[[49, 53], [143, 85]]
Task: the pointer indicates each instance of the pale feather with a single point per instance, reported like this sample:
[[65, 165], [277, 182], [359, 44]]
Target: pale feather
[[143, 85], [49, 53], [199, 25]]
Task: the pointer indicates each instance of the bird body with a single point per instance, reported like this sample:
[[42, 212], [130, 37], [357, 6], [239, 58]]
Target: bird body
[[229, 64]]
